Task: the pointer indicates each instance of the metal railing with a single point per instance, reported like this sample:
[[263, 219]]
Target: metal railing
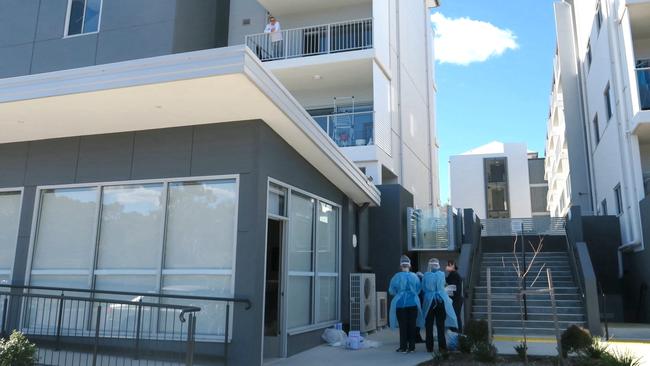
[[431, 229], [77, 326], [643, 80], [541, 225], [312, 40], [349, 129]]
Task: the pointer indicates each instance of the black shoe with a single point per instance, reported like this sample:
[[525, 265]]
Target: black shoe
[[401, 350], [410, 350]]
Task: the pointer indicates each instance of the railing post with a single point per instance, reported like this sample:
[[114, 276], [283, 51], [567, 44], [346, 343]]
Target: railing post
[[191, 328], [227, 335], [523, 277], [96, 340], [59, 322], [489, 302], [5, 304], [138, 323]]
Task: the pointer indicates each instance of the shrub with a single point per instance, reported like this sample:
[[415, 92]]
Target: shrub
[[622, 359], [17, 351], [477, 331], [595, 351], [464, 344], [522, 350], [484, 352], [575, 339]]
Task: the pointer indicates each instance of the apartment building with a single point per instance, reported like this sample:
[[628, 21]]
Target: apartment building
[[499, 181], [130, 127], [597, 140]]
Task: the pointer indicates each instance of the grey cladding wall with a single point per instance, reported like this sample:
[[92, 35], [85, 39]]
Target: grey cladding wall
[[32, 32]]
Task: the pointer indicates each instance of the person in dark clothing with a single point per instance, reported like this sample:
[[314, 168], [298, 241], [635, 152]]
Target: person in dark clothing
[[455, 284]]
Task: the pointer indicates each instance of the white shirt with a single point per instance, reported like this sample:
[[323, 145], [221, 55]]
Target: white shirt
[[275, 31]]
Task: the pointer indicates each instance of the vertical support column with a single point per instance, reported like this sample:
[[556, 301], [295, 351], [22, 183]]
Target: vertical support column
[[489, 303], [59, 322]]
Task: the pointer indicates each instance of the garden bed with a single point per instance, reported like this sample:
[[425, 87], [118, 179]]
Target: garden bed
[[460, 359]]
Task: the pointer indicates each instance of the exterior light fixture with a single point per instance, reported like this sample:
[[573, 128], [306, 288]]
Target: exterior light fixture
[[433, 3]]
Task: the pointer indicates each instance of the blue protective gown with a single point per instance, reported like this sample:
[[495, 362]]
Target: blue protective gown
[[433, 286], [405, 289]]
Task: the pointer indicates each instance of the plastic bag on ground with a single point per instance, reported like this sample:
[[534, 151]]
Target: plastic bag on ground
[[370, 344], [334, 337]]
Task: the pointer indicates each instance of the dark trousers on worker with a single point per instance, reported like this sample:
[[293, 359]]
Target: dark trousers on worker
[[458, 306], [407, 318], [436, 314]]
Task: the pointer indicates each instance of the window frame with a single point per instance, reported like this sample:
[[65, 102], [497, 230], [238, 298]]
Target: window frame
[[599, 17], [160, 272], [316, 274], [603, 206], [588, 56], [66, 25], [618, 196], [21, 192], [595, 125], [609, 112]]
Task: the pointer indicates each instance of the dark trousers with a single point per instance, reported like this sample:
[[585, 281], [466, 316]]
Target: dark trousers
[[407, 318], [458, 306], [436, 314]]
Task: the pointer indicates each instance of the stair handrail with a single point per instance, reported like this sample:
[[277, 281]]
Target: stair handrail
[[575, 266]]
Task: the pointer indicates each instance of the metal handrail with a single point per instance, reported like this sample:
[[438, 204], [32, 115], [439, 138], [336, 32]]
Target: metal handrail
[[331, 119], [130, 293], [312, 40]]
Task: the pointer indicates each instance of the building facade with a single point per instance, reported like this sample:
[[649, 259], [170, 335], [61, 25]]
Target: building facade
[[597, 143], [244, 171], [499, 181]]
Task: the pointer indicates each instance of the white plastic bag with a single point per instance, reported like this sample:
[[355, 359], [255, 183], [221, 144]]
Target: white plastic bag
[[334, 337]]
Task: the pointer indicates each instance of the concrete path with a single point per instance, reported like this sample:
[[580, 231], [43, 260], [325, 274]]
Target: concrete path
[[385, 355]]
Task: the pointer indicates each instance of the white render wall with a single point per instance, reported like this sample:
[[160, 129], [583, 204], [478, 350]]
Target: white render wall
[[402, 87], [467, 179]]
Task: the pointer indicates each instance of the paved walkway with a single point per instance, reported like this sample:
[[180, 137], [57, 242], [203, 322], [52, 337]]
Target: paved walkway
[[385, 355], [624, 338]]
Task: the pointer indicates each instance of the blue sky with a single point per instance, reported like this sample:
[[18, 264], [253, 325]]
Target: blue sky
[[493, 74]]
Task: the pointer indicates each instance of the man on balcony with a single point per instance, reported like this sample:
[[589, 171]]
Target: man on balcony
[[275, 37]]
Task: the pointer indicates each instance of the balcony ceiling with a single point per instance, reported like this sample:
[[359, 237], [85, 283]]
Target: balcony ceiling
[[283, 7], [639, 15]]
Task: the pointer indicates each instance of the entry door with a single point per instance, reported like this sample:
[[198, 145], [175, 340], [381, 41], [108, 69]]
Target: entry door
[[273, 299]]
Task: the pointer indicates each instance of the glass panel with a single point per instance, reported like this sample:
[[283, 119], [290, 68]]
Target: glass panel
[[201, 225], [9, 220], [211, 318], [66, 229], [326, 241], [5, 280], [41, 313], [277, 200], [299, 304], [76, 17], [300, 242], [327, 299], [496, 170], [131, 223], [91, 21], [122, 318]]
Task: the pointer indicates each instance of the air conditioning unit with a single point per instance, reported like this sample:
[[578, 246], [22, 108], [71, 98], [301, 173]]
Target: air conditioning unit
[[363, 305], [382, 309]]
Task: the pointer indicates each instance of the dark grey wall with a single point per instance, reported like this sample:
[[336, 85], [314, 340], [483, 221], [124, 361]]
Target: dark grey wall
[[388, 237], [249, 148], [636, 274], [31, 33], [536, 171]]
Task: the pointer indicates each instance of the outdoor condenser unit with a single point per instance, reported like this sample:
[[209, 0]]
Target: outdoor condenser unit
[[363, 305], [382, 309]]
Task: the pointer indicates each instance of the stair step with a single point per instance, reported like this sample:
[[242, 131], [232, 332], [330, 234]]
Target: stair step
[[509, 331], [541, 282], [531, 302], [547, 310], [514, 289], [543, 324], [531, 316]]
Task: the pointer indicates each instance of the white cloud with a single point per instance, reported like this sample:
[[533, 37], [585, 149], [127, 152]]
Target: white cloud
[[462, 41]]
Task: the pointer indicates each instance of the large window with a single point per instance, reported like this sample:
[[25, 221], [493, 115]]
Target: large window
[[313, 260], [619, 199], [175, 237], [83, 17], [496, 180], [9, 219]]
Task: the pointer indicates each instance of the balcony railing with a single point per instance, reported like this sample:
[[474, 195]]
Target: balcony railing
[[542, 225], [643, 79], [313, 40], [349, 129]]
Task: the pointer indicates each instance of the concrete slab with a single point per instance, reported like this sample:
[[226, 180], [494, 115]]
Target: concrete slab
[[384, 355]]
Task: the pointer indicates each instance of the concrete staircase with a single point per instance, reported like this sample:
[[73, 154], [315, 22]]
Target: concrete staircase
[[506, 318]]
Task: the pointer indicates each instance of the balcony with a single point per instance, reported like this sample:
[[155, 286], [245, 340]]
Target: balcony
[[643, 81], [349, 129], [313, 40]]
